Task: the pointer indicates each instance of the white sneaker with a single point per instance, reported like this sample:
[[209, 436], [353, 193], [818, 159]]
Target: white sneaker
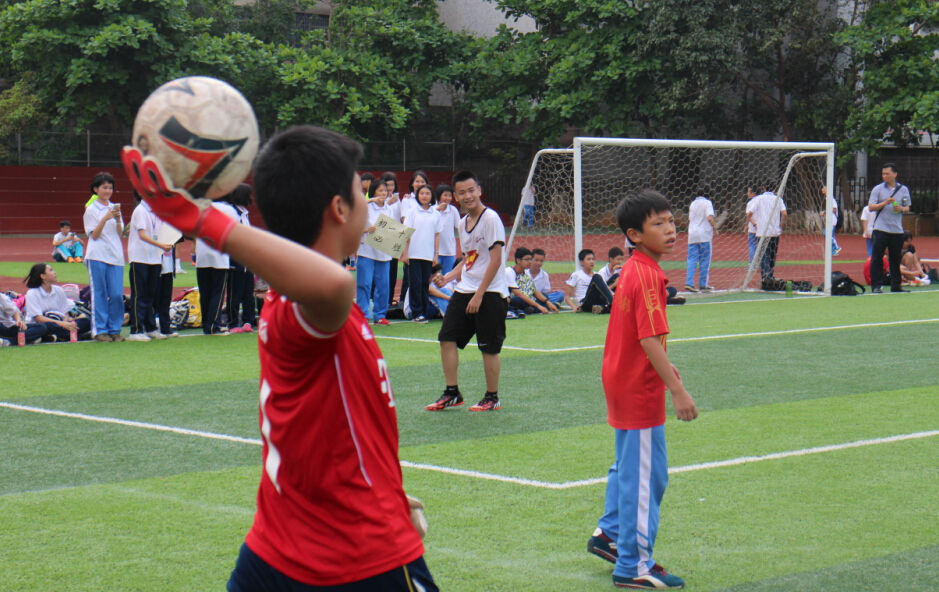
[[4, 342], [156, 335], [137, 337], [173, 334]]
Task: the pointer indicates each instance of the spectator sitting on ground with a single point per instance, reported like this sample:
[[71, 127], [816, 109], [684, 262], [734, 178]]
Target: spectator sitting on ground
[[610, 272], [575, 287], [46, 303], [542, 280], [66, 247], [11, 323], [911, 269], [524, 295]]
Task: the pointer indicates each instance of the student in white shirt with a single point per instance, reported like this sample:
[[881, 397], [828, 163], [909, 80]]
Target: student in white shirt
[[66, 246], [542, 279], [421, 251], [242, 308], [576, 286], [393, 203], [146, 263], [212, 271], [478, 304], [105, 260], [449, 223], [406, 205], [524, 295], [46, 303], [12, 322], [609, 273], [867, 218], [371, 270], [700, 236], [769, 216]]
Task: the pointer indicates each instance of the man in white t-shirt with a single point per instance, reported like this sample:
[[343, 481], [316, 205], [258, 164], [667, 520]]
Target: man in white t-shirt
[[145, 255], [867, 219], [751, 227], [700, 235], [542, 279], [524, 294], [478, 305], [769, 216], [212, 271], [575, 288], [67, 248]]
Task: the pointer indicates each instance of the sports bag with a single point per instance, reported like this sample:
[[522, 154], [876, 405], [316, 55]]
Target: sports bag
[[843, 285]]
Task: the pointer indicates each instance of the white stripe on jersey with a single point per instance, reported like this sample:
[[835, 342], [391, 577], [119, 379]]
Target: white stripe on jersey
[[345, 406], [307, 326]]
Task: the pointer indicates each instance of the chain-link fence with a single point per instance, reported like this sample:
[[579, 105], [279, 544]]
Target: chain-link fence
[[47, 148]]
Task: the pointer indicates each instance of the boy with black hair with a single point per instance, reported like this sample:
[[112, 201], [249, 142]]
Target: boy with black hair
[[331, 510], [66, 247], [542, 279], [525, 296], [636, 372], [575, 288], [478, 304]]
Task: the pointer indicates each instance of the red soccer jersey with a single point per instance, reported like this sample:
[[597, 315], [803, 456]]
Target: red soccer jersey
[[331, 507], [635, 394]]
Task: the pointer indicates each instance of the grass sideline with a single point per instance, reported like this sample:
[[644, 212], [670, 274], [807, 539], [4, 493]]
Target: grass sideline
[[91, 506]]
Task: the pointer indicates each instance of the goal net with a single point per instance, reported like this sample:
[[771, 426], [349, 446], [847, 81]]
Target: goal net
[[569, 202]]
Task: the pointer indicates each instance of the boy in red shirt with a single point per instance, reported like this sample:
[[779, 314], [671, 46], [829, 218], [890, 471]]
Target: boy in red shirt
[[636, 372], [331, 510]]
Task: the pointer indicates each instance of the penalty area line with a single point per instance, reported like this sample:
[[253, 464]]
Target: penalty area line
[[478, 474]]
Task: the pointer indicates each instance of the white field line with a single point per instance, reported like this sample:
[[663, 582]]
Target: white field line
[[480, 475], [692, 339]]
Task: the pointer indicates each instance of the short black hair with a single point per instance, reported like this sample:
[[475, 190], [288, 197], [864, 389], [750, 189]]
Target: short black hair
[[615, 252], [441, 189], [704, 189], [538, 251], [891, 166], [64, 223], [521, 253], [464, 175], [296, 175], [390, 176], [583, 254], [367, 177], [433, 196], [633, 210], [240, 196], [100, 179], [374, 185]]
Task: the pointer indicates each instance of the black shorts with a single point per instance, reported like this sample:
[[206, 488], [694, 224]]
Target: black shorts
[[488, 324], [253, 574]]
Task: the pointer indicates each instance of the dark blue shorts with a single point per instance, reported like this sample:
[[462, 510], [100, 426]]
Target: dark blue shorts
[[253, 574]]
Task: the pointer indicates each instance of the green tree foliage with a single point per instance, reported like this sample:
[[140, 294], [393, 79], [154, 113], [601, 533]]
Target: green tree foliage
[[20, 109], [700, 68], [96, 60], [896, 49]]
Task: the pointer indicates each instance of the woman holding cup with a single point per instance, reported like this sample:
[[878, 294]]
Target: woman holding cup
[[105, 260]]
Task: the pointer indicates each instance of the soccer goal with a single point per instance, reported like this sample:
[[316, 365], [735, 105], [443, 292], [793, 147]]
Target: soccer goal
[[570, 197]]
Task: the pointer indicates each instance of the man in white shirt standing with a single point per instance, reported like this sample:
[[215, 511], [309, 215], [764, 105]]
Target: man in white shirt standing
[[146, 263], [769, 216], [700, 235], [478, 304]]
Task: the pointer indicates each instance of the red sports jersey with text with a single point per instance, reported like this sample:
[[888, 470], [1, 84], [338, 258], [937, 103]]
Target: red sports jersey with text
[[635, 393], [331, 507]]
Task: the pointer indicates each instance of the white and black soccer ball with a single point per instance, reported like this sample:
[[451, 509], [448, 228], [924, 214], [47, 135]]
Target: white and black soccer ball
[[202, 131]]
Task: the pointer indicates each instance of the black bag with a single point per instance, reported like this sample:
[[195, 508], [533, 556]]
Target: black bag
[[771, 284], [843, 285]]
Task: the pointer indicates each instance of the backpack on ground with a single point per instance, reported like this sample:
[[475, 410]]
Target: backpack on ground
[[843, 285]]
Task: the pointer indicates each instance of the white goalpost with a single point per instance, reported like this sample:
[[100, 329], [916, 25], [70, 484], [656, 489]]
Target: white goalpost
[[570, 197]]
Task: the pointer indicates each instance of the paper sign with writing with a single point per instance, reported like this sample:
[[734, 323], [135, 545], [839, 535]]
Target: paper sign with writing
[[390, 236]]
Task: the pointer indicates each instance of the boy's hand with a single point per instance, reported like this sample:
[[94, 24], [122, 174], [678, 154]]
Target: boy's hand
[[475, 302], [194, 218], [417, 515], [684, 405]]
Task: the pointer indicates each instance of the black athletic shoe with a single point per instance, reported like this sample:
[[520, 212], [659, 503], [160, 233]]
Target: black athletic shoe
[[602, 546], [487, 404], [446, 400]]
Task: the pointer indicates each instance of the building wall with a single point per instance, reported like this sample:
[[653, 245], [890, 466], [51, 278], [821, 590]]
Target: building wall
[[478, 17]]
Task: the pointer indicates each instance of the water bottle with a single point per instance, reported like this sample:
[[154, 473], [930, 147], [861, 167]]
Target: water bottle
[[73, 335], [788, 288], [21, 338]]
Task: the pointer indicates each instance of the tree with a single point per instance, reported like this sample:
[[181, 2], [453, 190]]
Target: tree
[[895, 49]]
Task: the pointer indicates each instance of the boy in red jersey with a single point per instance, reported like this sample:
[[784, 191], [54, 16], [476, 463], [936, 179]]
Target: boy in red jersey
[[331, 510], [636, 372]]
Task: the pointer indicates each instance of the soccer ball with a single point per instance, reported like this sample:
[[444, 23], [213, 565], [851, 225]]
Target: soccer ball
[[202, 131]]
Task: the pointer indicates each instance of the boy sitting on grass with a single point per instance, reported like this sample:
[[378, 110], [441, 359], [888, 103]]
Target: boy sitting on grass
[[636, 372], [331, 510]]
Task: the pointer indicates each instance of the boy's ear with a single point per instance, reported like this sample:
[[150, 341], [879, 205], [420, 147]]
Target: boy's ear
[[339, 209], [634, 236]]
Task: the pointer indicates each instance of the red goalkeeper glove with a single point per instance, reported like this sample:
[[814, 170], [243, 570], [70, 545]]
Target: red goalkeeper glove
[[192, 217]]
